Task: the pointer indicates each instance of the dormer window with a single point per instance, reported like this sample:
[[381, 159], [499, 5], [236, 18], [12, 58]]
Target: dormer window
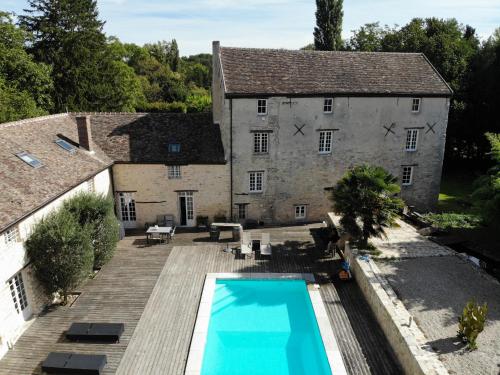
[[262, 106], [328, 105], [415, 105], [30, 159], [66, 145], [174, 147]]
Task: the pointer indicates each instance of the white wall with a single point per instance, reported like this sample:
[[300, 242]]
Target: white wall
[[13, 259]]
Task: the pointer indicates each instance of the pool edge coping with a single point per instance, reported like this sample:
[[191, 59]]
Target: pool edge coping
[[200, 332]]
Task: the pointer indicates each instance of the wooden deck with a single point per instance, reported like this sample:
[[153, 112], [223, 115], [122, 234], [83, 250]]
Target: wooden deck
[[161, 339], [118, 293]]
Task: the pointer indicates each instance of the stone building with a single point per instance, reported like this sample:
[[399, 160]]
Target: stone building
[[293, 122], [153, 164]]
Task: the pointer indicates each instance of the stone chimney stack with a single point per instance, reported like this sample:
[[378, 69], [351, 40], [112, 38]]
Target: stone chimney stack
[[84, 132]]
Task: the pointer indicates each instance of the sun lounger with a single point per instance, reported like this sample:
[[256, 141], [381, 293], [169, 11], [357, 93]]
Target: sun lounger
[[265, 245], [71, 363], [95, 332], [245, 244]]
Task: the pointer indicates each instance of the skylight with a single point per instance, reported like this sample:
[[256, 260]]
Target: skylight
[[174, 147], [66, 145], [30, 159]]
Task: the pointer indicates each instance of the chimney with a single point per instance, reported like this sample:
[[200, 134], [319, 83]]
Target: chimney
[[84, 133]]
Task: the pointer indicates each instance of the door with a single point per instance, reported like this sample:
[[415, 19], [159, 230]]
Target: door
[[18, 293], [128, 215], [186, 209]]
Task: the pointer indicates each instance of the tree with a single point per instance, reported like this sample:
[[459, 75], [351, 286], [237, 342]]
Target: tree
[[368, 38], [365, 197], [487, 188], [95, 212], [67, 34], [328, 30], [60, 252], [25, 86]]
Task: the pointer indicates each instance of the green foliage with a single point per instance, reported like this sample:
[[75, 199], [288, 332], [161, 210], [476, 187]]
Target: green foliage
[[60, 252], [368, 38], [199, 100], [471, 323], [487, 188], [95, 212], [25, 86], [365, 197], [449, 220], [68, 36], [328, 30]]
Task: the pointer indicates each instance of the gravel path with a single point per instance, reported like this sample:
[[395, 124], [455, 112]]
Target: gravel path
[[435, 290]]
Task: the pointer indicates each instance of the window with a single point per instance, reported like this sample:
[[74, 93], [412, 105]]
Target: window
[[256, 182], [29, 159], [262, 106], [411, 139], [261, 143], [415, 105], [407, 178], [328, 105], [300, 212], [174, 171], [66, 146], [325, 141], [174, 147], [127, 207], [11, 235], [18, 293], [242, 211], [90, 186]]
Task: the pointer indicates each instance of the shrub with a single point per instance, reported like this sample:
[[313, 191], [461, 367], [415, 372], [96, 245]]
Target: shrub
[[95, 212], [177, 107], [471, 323], [60, 252], [220, 217], [453, 220]]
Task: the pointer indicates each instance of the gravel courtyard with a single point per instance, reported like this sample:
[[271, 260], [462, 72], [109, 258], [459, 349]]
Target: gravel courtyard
[[435, 290]]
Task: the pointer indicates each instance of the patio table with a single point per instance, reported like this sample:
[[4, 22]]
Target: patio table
[[237, 229], [163, 231]]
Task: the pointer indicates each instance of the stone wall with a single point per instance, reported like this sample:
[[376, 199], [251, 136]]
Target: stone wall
[[156, 194], [297, 174], [406, 339]]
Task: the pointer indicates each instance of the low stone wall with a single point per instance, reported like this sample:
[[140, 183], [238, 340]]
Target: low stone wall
[[406, 339]]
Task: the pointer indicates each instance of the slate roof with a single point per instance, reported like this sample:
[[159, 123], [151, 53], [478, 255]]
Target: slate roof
[[24, 188], [252, 72], [144, 137]]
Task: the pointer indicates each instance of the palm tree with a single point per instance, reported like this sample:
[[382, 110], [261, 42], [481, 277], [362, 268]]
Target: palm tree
[[365, 197]]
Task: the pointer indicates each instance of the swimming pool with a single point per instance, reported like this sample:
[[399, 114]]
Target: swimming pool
[[262, 326]]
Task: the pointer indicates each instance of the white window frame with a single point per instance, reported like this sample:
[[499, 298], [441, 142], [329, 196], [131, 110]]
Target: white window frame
[[325, 141], [411, 140], [416, 103], [11, 235], [242, 211], [262, 107], [260, 143], [328, 105], [18, 292], [407, 175], [300, 211], [174, 172], [256, 182]]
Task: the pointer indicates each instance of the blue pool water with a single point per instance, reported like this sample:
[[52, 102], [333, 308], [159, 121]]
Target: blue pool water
[[262, 327]]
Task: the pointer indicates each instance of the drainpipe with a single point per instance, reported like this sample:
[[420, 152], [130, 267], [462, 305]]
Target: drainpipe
[[231, 156]]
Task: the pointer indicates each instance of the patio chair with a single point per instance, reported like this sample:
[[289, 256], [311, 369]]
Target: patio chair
[[245, 244], [156, 236], [171, 234], [71, 363], [265, 245], [165, 220]]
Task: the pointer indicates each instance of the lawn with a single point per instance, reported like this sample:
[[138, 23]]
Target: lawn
[[455, 208]]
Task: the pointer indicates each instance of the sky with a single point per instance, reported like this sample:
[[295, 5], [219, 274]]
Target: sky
[[265, 23]]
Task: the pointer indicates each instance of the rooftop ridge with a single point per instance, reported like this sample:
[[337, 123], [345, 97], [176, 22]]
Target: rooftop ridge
[[32, 119], [323, 52]]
